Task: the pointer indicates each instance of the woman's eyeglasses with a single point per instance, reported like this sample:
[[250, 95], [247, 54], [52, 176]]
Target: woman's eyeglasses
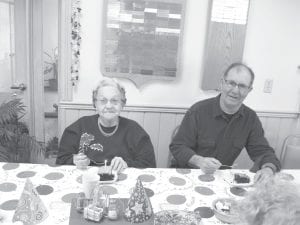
[[113, 101]]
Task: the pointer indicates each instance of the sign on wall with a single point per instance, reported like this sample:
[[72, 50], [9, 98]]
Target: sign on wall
[[225, 39], [142, 39]]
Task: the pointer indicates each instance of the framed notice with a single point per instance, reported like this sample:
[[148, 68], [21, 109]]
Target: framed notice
[[225, 39], [142, 39]]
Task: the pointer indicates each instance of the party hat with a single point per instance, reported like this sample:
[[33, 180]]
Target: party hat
[[30, 209], [139, 208]]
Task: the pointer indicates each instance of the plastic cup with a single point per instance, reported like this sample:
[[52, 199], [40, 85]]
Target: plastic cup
[[89, 182], [80, 165]]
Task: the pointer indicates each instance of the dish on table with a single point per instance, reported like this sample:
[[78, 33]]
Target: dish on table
[[241, 180], [107, 175], [176, 217], [224, 209], [285, 176]]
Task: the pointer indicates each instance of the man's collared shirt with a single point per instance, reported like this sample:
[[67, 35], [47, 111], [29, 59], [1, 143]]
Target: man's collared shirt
[[207, 131]]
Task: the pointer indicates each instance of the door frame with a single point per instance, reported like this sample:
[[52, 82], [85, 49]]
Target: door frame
[[65, 88], [29, 62]]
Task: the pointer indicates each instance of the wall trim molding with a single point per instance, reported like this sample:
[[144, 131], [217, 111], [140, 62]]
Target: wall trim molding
[[170, 109], [65, 89]]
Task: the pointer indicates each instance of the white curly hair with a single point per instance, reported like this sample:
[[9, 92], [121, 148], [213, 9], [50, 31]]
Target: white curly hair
[[276, 202], [109, 82]]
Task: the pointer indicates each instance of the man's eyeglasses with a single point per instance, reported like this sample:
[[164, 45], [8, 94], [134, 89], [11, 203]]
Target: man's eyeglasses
[[232, 84], [113, 101]]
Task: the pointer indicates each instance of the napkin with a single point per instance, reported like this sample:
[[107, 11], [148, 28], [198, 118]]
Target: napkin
[[139, 208], [30, 209]]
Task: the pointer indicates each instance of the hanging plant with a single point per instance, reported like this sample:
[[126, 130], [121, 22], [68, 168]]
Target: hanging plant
[[76, 40]]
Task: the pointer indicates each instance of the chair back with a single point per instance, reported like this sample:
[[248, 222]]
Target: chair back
[[171, 160], [290, 154]]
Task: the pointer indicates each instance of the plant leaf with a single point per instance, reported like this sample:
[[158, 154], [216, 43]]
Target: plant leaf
[[30, 150], [10, 110], [4, 155], [15, 142]]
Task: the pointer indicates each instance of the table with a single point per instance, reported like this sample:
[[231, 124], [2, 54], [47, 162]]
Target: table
[[183, 189]]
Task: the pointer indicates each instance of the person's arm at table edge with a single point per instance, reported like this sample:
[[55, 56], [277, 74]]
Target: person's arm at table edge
[[195, 161], [259, 150], [69, 145], [181, 147], [143, 151], [271, 166]]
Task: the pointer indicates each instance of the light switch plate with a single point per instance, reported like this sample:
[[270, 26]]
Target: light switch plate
[[268, 86]]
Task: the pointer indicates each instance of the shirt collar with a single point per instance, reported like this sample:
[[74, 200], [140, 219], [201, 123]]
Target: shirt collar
[[217, 111]]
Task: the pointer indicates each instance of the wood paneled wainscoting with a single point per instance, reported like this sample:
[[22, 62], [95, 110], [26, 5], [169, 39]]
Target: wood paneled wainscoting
[[160, 123]]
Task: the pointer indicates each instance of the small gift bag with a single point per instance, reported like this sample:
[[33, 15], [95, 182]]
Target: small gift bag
[[92, 212]]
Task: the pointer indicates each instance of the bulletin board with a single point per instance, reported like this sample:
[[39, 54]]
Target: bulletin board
[[142, 39]]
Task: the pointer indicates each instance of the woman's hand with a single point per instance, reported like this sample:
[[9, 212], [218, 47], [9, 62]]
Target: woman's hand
[[118, 164], [81, 160]]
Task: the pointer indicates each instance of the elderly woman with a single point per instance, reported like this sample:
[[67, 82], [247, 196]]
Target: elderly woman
[[276, 201], [107, 136]]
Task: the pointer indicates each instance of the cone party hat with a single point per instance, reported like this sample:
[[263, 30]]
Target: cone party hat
[[139, 208], [30, 210]]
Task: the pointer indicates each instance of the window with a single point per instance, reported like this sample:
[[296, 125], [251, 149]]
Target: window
[[7, 63]]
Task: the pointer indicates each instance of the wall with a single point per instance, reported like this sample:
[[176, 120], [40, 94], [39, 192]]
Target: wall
[[271, 48]]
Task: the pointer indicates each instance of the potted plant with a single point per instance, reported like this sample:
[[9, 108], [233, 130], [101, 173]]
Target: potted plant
[[50, 69], [52, 148], [16, 145]]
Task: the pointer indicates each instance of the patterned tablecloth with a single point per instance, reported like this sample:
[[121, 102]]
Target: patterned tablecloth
[[180, 189]]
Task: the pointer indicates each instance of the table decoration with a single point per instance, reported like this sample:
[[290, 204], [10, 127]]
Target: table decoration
[[176, 217], [139, 208], [30, 209], [93, 212], [76, 40], [77, 218]]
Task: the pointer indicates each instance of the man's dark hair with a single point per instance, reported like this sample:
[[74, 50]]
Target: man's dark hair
[[238, 66]]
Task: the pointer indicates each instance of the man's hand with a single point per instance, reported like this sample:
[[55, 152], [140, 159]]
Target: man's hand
[[81, 160], [209, 165], [263, 175], [118, 164], [206, 164]]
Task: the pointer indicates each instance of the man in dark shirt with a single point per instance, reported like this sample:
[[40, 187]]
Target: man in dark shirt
[[214, 131]]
